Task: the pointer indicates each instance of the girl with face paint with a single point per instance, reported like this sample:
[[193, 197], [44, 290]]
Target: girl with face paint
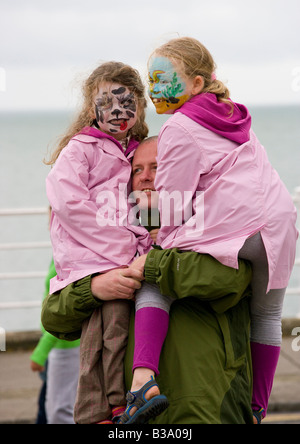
[[116, 110], [90, 232], [240, 208]]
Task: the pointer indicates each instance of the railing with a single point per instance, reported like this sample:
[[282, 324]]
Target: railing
[[38, 245], [23, 246]]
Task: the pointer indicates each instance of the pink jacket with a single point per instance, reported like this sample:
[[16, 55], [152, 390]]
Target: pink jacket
[[89, 226], [234, 187]]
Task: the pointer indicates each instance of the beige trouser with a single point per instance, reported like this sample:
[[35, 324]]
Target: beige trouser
[[102, 351]]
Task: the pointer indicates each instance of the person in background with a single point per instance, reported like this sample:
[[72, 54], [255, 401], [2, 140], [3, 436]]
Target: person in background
[[57, 361]]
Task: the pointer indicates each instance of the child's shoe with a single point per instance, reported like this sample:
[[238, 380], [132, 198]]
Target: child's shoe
[[258, 415], [146, 410]]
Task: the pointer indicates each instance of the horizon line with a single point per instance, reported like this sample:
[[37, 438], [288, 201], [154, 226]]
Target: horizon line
[[74, 110]]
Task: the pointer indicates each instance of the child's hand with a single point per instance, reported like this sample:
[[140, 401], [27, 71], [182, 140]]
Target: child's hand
[[139, 264], [153, 234]]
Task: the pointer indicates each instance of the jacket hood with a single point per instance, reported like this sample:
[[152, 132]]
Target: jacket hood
[[213, 115]]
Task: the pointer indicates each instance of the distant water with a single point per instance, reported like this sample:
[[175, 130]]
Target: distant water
[[25, 139]]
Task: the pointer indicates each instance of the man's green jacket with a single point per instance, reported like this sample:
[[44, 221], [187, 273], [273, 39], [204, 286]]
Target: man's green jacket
[[205, 365]]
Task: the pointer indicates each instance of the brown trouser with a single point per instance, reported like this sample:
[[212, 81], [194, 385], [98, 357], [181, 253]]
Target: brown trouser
[[102, 350]]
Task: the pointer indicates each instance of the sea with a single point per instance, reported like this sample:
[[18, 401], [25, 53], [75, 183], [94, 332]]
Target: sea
[[27, 138]]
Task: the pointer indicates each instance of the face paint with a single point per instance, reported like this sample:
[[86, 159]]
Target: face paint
[[115, 109], [167, 89]]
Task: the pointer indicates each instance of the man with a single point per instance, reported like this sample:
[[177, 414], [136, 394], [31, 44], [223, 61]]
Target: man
[[144, 168], [205, 365]]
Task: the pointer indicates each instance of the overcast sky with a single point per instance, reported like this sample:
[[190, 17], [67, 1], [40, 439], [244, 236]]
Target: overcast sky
[[48, 47]]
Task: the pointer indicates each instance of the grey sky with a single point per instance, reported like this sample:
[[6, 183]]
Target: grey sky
[[46, 47]]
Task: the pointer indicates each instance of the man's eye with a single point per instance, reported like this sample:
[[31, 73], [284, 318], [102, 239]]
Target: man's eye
[[136, 171]]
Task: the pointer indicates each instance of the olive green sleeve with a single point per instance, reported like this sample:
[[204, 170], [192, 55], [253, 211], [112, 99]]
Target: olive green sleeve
[[182, 274], [64, 312]]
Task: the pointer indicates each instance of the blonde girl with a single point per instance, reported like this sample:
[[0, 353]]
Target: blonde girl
[[240, 207]]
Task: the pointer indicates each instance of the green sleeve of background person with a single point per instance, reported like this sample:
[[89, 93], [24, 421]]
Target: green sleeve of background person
[[48, 341]]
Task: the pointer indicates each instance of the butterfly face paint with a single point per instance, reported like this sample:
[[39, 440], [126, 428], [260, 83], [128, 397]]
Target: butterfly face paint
[[167, 90], [116, 110]]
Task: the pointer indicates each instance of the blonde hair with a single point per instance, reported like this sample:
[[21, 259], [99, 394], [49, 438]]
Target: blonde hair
[[196, 60], [114, 72]]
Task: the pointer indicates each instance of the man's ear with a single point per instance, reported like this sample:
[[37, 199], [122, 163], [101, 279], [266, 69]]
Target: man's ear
[[198, 85]]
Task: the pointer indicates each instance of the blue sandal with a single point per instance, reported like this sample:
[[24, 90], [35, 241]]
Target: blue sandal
[[146, 410], [258, 414]]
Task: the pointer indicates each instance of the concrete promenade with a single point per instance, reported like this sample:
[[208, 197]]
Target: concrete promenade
[[19, 386]]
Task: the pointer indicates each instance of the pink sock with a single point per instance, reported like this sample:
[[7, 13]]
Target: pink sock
[[264, 362], [151, 328]]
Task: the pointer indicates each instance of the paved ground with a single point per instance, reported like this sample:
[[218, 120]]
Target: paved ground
[[19, 387]]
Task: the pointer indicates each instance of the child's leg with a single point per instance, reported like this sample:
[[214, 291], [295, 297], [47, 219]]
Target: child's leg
[[266, 333], [151, 327], [115, 321], [91, 404], [266, 339]]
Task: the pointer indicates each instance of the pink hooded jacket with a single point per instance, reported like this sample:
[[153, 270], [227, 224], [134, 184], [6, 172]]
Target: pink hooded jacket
[[234, 192], [89, 225]]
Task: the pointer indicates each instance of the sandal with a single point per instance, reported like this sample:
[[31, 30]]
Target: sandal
[[258, 414], [146, 410]]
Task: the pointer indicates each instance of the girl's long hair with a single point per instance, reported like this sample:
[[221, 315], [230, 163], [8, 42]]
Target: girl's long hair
[[114, 72]]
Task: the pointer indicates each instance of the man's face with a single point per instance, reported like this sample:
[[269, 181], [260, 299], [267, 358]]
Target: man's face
[[144, 168], [116, 109]]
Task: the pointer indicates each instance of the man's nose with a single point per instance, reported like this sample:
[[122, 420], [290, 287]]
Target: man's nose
[[147, 175]]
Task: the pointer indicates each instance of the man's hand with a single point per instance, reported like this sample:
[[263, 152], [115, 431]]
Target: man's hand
[[139, 264], [117, 284]]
